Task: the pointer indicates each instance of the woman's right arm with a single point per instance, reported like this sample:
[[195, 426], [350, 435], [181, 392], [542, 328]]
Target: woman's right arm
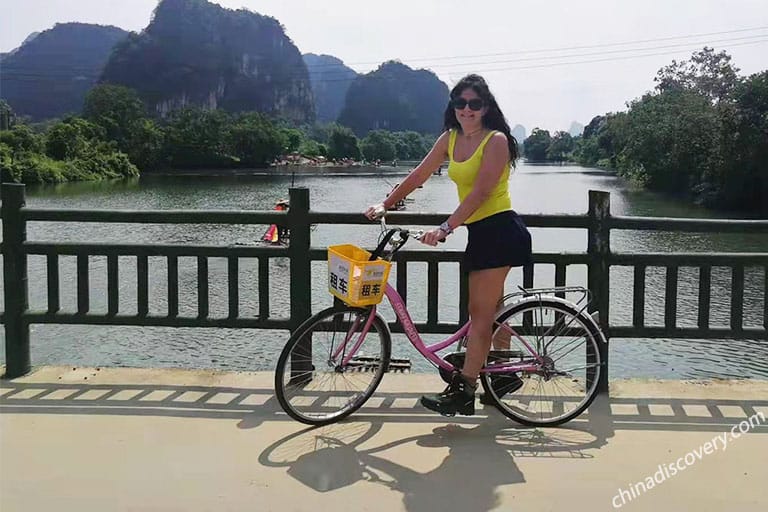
[[421, 173]]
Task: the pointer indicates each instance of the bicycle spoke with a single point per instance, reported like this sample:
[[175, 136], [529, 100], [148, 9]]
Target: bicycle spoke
[[559, 388], [563, 355], [315, 387]]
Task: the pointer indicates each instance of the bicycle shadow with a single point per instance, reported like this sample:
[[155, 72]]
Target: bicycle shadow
[[480, 457]]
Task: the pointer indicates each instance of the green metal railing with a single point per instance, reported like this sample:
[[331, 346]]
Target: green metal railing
[[599, 259]]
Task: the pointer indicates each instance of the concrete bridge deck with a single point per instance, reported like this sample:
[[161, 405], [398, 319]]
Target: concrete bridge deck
[[113, 440]]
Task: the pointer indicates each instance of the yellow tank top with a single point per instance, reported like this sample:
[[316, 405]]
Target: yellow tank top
[[464, 175]]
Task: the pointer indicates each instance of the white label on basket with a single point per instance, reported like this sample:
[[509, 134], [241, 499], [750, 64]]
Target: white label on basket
[[374, 272], [372, 282], [338, 270]]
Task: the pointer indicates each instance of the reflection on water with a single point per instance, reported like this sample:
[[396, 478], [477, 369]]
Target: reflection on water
[[535, 189]]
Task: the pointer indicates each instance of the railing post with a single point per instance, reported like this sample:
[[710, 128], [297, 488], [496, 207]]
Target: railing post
[[298, 252], [15, 281], [599, 250], [301, 279]]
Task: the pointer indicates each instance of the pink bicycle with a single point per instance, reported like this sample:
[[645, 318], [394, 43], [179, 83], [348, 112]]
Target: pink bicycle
[[543, 368]]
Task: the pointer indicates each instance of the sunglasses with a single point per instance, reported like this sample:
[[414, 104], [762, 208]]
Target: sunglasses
[[474, 104]]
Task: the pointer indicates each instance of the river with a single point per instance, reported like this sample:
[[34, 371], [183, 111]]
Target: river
[[534, 188]]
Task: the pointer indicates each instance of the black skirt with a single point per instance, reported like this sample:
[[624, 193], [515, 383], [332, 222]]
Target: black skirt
[[501, 240]]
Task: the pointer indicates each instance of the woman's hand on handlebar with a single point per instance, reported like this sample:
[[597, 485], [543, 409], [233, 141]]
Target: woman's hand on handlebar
[[375, 212], [433, 236]]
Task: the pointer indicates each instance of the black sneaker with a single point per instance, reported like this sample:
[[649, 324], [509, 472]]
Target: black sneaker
[[457, 398], [501, 384]]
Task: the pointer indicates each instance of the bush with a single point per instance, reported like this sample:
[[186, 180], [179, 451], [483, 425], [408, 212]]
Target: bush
[[7, 167], [101, 166], [36, 168], [72, 138], [21, 139]]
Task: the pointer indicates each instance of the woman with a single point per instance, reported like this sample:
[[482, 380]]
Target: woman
[[481, 150]]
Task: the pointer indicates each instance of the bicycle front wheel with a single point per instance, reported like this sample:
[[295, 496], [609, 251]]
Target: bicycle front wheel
[[568, 365], [331, 366]]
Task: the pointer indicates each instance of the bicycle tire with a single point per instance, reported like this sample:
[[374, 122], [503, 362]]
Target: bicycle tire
[[558, 306], [312, 326]]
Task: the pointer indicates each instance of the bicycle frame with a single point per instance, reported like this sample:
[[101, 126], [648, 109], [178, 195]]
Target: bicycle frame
[[430, 351]]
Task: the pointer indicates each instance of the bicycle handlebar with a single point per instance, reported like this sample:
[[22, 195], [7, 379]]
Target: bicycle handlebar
[[391, 232]]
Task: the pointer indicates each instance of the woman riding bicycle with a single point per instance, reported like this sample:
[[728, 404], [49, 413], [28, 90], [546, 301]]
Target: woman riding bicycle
[[481, 150]]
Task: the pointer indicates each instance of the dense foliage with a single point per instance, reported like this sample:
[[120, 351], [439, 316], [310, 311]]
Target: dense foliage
[[72, 150], [115, 137], [701, 134]]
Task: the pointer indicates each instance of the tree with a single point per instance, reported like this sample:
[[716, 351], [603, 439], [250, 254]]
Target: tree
[[536, 145], [293, 139], [707, 73], [196, 138], [743, 181], [6, 164], [6, 116], [594, 126], [672, 141], [378, 145], [343, 144], [73, 138], [560, 147], [122, 115], [411, 145], [320, 132], [21, 139], [115, 108], [312, 148], [254, 140], [145, 144]]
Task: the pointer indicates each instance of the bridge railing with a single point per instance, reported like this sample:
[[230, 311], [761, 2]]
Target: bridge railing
[[598, 257]]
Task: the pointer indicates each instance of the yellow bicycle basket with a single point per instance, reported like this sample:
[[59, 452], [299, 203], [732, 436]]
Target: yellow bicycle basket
[[353, 278]]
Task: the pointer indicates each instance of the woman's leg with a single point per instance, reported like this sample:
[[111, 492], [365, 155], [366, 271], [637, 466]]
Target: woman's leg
[[502, 337], [485, 288]]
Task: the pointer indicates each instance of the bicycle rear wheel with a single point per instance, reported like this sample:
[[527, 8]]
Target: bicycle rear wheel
[[565, 381], [328, 369]]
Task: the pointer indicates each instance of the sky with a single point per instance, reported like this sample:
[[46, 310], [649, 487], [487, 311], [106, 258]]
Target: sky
[[548, 63]]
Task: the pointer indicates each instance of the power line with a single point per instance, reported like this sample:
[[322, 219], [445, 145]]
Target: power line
[[480, 69], [545, 50], [523, 52], [591, 54], [18, 72], [626, 57]]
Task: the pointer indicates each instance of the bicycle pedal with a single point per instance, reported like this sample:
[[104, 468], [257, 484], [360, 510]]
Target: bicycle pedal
[[363, 364], [368, 363], [401, 367]]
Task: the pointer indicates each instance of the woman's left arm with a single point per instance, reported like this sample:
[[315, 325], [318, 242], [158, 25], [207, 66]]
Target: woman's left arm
[[495, 158]]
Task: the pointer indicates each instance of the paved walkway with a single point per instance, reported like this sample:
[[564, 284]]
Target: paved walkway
[[114, 440]]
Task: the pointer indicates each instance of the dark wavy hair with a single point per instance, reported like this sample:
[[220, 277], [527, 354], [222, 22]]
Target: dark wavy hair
[[493, 118]]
